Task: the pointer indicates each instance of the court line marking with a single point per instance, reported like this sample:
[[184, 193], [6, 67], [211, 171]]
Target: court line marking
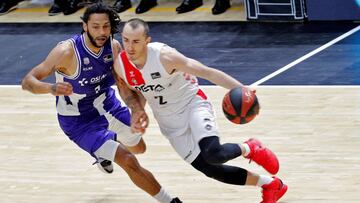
[[303, 58]]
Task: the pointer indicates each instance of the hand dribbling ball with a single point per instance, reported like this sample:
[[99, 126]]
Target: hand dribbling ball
[[240, 105]]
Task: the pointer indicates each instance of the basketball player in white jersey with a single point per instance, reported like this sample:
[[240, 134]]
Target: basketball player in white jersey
[[166, 80], [88, 111]]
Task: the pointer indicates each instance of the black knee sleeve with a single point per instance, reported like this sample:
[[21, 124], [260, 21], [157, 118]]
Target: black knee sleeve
[[224, 173], [215, 153]]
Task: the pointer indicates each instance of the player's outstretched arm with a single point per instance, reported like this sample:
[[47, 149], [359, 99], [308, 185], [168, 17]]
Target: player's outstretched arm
[[172, 59], [32, 81]]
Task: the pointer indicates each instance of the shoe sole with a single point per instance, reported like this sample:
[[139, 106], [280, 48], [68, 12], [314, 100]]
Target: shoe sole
[[197, 6], [220, 11], [146, 10], [102, 169], [54, 14], [277, 161]]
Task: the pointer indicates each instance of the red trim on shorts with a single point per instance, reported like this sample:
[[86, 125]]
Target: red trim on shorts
[[201, 94], [132, 74]]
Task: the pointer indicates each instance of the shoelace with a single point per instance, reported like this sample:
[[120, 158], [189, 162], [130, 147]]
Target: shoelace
[[250, 158]]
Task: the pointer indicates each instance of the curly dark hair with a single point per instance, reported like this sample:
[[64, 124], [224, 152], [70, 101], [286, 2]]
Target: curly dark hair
[[101, 7]]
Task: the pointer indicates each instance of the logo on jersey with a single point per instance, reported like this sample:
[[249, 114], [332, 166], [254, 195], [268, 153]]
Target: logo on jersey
[[87, 68], [93, 80], [86, 61], [146, 88], [133, 80], [155, 75], [83, 82], [108, 58], [97, 79]]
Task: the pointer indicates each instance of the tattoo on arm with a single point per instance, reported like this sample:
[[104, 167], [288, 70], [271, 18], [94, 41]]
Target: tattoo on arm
[[132, 101], [131, 98]]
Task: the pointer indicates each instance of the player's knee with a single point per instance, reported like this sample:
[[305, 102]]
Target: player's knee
[[141, 149], [213, 155], [127, 161], [130, 163], [201, 165], [138, 149], [212, 151]]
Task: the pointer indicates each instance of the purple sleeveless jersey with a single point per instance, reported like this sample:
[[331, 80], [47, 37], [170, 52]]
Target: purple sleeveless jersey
[[81, 114]]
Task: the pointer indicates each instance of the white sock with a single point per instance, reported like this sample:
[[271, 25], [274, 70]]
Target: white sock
[[163, 196], [247, 149], [263, 180]]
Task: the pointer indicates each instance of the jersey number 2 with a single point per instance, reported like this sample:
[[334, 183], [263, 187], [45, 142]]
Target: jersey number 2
[[161, 100]]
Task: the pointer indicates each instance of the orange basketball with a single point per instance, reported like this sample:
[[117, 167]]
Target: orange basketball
[[240, 105]]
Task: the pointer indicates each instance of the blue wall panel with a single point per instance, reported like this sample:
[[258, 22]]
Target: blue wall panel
[[333, 9]]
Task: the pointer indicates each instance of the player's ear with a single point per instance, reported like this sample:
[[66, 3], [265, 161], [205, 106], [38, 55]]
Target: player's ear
[[85, 27], [148, 39]]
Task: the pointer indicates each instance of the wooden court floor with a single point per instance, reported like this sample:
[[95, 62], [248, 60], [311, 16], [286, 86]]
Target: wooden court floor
[[313, 130]]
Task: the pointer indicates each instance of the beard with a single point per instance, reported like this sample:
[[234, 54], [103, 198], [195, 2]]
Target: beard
[[93, 41]]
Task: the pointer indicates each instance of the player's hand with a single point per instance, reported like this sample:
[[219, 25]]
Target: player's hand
[[256, 108], [139, 121], [252, 89], [61, 88]]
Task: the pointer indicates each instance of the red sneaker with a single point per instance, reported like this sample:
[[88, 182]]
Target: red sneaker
[[273, 191], [262, 156]]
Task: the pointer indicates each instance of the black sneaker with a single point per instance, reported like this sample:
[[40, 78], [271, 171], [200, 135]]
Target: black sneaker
[[69, 6], [122, 5], [176, 200], [54, 10], [105, 166], [8, 5], [189, 5], [145, 5], [220, 6]]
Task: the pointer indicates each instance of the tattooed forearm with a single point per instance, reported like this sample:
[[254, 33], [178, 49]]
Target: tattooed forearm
[[130, 97], [132, 101]]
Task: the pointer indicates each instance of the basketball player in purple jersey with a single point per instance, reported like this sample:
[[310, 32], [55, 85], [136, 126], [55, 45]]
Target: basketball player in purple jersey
[[88, 111], [166, 80]]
